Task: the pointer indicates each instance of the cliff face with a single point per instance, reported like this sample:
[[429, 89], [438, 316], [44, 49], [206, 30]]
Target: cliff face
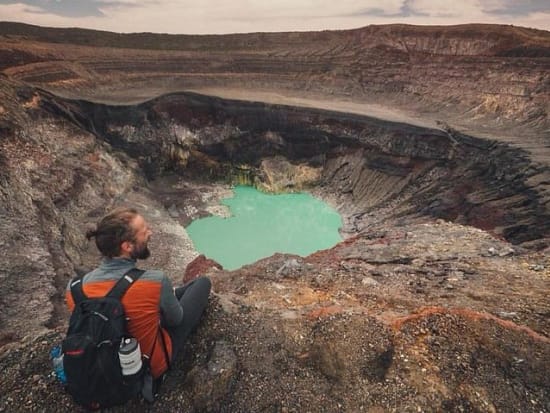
[[435, 301], [366, 162], [52, 176], [471, 75]]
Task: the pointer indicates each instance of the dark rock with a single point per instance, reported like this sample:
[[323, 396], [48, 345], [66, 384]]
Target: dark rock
[[210, 384], [341, 356]]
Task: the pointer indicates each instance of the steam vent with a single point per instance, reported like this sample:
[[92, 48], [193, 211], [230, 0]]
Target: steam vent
[[433, 143]]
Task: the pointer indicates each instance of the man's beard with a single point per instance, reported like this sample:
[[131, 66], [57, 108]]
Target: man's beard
[[140, 252]]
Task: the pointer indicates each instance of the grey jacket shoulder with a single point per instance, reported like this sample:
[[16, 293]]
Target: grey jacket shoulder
[[169, 306]]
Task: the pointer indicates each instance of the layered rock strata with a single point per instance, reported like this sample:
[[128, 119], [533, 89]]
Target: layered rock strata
[[368, 163], [479, 77]]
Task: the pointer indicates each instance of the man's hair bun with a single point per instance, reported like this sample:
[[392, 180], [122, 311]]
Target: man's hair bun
[[90, 234]]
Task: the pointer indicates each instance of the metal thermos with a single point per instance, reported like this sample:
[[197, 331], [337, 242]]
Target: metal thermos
[[129, 354]]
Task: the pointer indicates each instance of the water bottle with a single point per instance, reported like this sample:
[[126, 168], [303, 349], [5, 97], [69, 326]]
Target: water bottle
[[129, 355], [57, 361]]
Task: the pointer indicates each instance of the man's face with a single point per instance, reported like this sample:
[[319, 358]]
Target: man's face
[[140, 250]]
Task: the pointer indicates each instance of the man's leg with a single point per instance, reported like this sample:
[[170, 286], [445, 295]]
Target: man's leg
[[193, 298]]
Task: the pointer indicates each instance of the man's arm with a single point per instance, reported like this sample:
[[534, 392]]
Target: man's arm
[[69, 297], [170, 308]]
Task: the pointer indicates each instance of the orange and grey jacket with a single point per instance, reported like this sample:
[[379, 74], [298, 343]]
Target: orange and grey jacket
[[149, 302]]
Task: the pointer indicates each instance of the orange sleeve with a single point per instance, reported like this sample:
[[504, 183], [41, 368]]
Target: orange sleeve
[[69, 300]]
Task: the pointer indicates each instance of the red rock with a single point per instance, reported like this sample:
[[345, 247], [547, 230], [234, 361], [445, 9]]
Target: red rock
[[199, 266], [325, 311]]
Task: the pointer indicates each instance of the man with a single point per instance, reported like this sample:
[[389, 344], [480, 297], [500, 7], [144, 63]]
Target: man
[[160, 317]]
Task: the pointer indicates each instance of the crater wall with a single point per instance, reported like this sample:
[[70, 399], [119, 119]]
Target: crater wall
[[473, 76], [378, 169]]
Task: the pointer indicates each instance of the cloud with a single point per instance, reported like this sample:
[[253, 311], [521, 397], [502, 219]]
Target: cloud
[[465, 9], [241, 16], [69, 8], [519, 8], [406, 9]]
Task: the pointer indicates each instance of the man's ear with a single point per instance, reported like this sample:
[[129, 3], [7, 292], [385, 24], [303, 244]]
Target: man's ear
[[126, 247]]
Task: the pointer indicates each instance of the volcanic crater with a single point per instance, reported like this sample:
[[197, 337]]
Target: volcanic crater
[[432, 143]]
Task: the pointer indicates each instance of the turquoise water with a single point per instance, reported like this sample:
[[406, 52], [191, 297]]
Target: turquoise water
[[261, 225]]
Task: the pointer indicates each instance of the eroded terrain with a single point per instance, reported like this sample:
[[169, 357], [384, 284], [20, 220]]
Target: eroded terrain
[[437, 299]]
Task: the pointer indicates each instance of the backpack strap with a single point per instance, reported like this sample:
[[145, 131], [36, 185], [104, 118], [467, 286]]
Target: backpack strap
[[117, 291], [164, 349], [76, 290], [124, 283]]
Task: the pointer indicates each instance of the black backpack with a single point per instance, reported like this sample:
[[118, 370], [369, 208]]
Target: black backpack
[[91, 362]]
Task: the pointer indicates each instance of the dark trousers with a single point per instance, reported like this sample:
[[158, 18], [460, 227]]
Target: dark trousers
[[193, 298]]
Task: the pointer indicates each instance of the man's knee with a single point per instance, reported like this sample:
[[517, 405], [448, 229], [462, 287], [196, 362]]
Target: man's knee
[[204, 284]]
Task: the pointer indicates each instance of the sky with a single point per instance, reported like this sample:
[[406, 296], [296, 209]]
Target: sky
[[244, 16]]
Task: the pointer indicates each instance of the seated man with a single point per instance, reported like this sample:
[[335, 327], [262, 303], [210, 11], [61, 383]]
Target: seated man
[[160, 317]]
